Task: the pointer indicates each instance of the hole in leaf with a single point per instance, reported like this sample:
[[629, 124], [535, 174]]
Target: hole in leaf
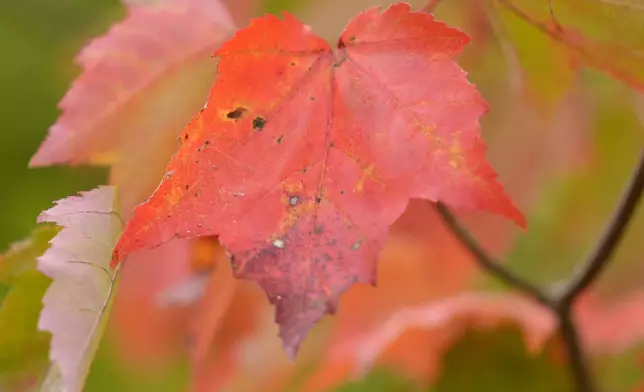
[[237, 113]]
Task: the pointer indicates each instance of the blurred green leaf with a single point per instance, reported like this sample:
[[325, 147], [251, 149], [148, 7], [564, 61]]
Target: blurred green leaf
[[21, 256], [110, 374], [23, 348], [545, 62], [380, 380], [497, 361], [604, 34]]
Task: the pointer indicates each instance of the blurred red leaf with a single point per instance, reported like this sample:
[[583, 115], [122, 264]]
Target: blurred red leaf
[[146, 333], [304, 214], [229, 312]]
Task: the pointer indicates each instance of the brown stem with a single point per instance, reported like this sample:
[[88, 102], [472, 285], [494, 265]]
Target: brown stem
[[485, 261], [598, 260], [579, 367]]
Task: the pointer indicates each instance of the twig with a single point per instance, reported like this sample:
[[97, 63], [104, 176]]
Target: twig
[[579, 368], [561, 305], [486, 262], [431, 6], [598, 260]]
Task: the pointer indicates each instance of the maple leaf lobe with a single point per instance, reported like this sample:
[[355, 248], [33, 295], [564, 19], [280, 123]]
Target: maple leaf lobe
[[347, 138]]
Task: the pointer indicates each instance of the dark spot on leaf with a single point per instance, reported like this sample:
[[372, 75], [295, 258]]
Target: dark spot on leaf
[[305, 170], [293, 200], [342, 192], [207, 142], [187, 186], [318, 199], [312, 98], [279, 139], [197, 161], [341, 44], [292, 63], [331, 145], [197, 194], [331, 242], [237, 113], [318, 229], [185, 137], [258, 123]]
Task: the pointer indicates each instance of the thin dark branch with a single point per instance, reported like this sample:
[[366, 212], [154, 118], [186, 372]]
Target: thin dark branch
[[609, 241], [494, 267], [562, 306], [579, 367]]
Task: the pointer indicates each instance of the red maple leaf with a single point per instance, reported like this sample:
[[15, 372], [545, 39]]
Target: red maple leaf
[[304, 155]]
